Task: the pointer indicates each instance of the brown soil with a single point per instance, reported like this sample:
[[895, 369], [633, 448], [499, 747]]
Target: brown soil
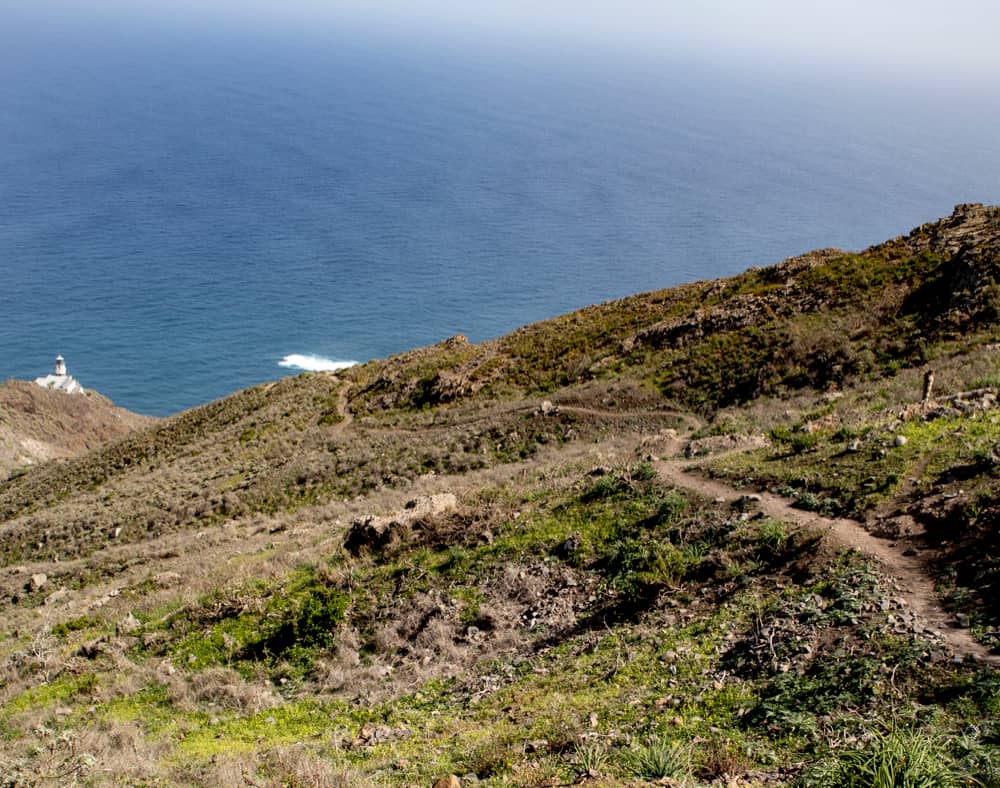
[[915, 586], [38, 425]]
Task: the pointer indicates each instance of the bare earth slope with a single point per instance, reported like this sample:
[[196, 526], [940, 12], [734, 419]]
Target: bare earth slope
[[37, 424]]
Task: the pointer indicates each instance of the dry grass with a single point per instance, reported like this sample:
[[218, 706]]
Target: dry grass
[[475, 634]]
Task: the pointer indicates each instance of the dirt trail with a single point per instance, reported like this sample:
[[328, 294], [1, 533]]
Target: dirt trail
[[691, 422], [915, 587], [346, 417]]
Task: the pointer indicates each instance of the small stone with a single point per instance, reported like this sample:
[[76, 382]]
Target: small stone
[[854, 446], [900, 440], [130, 624], [167, 579], [962, 620], [56, 596], [37, 581]]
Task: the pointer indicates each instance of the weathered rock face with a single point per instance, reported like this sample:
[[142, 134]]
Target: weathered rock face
[[397, 386], [375, 534], [740, 311], [963, 290], [970, 224]]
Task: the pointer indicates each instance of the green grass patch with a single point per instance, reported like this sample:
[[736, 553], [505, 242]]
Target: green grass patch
[[282, 626], [76, 625], [61, 689]]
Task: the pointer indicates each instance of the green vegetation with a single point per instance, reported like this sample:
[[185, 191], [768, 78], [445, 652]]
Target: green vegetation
[[281, 627], [585, 607]]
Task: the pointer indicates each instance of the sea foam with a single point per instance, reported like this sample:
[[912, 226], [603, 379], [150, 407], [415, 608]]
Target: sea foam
[[314, 363]]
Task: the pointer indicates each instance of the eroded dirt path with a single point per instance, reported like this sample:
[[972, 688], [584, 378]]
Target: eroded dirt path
[[916, 589], [689, 421], [346, 417]]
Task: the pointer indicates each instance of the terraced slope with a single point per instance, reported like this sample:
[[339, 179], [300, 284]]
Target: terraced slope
[[709, 535]]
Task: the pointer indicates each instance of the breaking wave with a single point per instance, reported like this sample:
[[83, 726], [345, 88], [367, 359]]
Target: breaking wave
[[312, 363]]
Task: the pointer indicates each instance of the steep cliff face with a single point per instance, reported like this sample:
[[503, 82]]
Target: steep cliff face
[[38, 425]]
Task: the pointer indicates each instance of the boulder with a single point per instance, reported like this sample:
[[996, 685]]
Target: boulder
[[56, 596], [374, 534], [129, 624], [167, 579]]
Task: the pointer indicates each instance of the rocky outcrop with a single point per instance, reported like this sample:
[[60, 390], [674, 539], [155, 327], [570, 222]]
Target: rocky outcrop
[[780, 296], [374, 534]]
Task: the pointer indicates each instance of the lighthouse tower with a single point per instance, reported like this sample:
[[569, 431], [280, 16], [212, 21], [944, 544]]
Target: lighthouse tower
[[60, 380]]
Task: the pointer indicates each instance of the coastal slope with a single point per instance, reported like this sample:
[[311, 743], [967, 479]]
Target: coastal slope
[[739, 532], [37, 424]]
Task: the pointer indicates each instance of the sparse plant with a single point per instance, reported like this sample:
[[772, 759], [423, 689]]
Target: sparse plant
[[897, 758], [592, 758], [773, 535], [490, 759], [721, 757], [644, 472], [659, 759]]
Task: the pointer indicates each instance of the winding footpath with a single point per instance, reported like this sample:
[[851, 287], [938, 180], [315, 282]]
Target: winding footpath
[[916, 589]]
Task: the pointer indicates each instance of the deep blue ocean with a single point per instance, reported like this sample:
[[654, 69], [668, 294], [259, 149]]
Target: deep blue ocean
[[179, 214]]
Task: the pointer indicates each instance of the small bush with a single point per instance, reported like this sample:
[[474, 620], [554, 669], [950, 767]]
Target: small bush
[[659, 759], [894, 759], [592, 759], [605, 488], [797, 441], [644, 472]]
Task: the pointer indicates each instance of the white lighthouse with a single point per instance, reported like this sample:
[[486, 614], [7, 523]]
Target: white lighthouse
[[60, 380]]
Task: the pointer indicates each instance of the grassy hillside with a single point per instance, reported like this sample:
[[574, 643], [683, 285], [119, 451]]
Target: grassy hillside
[[563, 555]]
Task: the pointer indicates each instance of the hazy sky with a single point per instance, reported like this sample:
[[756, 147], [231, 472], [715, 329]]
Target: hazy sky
[[956, 38]]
